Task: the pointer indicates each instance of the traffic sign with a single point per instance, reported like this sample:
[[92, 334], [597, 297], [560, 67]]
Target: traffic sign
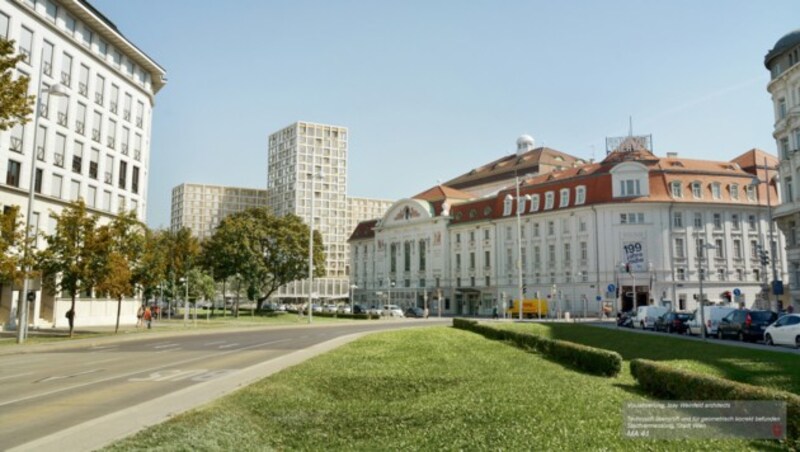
[[737, 292], [598, 298], [612, 288]]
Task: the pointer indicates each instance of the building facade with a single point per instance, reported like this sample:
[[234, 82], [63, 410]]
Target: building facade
[[93, 143], [201, 207], [784, 87], [305, 155], [635, 221]]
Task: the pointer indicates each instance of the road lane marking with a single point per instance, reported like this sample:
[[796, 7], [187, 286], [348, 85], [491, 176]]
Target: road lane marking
[[174, 344], [178, 375], [228, 345], [215, 342], [62, 377], [128, 374], [14, 376]]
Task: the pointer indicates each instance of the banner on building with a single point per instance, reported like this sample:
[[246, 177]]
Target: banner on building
[[634, 252]]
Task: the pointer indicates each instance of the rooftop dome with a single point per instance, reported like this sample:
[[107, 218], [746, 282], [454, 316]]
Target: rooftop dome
[[525, 143], [788, 41]]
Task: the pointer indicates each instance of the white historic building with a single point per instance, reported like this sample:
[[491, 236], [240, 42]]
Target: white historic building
[[580, 224], [784, 87], [92, 144], [201, 207]]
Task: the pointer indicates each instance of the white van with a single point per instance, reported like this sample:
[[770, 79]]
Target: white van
[[711, 315], [646, 316]]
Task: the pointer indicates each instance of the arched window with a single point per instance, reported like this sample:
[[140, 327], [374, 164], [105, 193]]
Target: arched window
[[507, 204], [549, 199], [563, 198], [677, 189], [697, 189], [580, 195], [535, 203]]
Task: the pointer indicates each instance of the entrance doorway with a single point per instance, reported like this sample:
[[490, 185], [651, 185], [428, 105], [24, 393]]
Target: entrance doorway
[[631, 301]]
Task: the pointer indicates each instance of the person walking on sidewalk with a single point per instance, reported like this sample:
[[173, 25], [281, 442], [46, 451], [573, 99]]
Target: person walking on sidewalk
[[148, 317], [139, 316]]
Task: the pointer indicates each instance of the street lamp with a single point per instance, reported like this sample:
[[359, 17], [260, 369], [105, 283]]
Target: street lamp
[[313, 176], [700, 254], [553, 295], [59, 91], [389, 292], [186, 300], [353, 288], [756, 182], [574, 295]]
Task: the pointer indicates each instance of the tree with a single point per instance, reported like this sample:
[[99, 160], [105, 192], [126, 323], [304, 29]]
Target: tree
[[201, 285], [152, 268], [15, 263], [74, 255], [123, 244], [182, 253], [15, 103]]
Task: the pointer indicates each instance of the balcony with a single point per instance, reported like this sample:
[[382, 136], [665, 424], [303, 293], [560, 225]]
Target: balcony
[[96, 135], [66, 78], [58, 159], [124, 148], [83, 89], [98, 98], [79, 127], [16, 144], [126, 115], [40, 153], [62, 119], [113, 107], [111, 142]]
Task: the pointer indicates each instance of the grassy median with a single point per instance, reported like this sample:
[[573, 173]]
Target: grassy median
[[421, 389], [757, 367]]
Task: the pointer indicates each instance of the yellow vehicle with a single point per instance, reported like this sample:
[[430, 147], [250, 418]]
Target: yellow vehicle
[[531, 308]]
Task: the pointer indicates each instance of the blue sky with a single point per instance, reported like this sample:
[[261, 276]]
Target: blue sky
[[431, 89]]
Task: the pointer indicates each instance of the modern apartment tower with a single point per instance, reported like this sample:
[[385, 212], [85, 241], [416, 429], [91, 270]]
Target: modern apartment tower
[[93, 143], [305, 155], [200, 207]]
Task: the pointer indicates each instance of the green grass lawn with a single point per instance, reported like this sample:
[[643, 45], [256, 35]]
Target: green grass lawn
[[420, 389], [763, 368]]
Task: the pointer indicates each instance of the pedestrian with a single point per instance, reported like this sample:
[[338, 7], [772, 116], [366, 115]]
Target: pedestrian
[[139, 315], [148, 317], [494, 313], [71, 318], [425, 312]]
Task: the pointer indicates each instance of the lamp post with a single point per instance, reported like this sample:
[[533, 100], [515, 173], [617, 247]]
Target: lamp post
[[185, 281], [574, 295], [58, 91], [756, 182], [701, 251], [553, 295], [313, 176], [389, 292], [353, 288], [519, 248]]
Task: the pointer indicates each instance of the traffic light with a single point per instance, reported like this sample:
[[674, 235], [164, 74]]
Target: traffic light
[[764, 255], [524, 289]]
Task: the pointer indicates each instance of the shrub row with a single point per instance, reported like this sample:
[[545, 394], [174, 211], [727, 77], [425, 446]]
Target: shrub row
[[668, 382], [589, 359]]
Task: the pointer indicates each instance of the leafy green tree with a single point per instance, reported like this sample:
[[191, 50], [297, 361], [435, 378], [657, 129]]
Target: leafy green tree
[[123, 243], [201, 285], [152, 269], [15, 103], [74, 257], [14, 261], [182, 253]]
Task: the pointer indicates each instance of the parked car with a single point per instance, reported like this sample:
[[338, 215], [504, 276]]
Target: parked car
[[711, 315], [415, 312], [625, 319], [391, 310], [359, 309], [343, 309], [316, 308], [374, 310], [785, 331], [745, 325], [646, 316], [672, 322]]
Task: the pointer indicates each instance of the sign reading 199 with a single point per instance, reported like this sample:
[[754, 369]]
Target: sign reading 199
[[633, 248]]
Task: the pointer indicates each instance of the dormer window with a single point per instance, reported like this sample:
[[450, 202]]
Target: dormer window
[[697, 190], [734, 189], [630, 187], [564, 197], [549, 199], [630, 179], [677, 189], [507, 205], [521, 203], [716, 190], [751, 193], [535, 203], [580, 195]]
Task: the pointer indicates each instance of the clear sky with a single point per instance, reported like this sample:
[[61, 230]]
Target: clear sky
[[432, 89]]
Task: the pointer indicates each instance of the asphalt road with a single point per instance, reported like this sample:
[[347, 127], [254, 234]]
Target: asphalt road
[[51, 391]]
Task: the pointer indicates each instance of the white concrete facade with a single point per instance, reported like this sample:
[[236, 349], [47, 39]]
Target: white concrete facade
[[575, 227], [94, 144], [783, 62], [201, 207]]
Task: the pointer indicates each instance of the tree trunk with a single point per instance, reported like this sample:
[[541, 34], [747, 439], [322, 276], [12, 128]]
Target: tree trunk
[[71, 318], [119, 313], [224, 298], [238, 291]]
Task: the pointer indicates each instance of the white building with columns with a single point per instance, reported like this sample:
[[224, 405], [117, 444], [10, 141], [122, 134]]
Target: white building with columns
[[92, 144], [783, 62], [580, 223]]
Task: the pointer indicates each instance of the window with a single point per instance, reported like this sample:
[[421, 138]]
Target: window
[[582, 224], [718, 221], [55, 185], [754, 249], [697, 190], [47, 58], [536, 256], [458, 261], [458, 238], [99, 89], [567, 253], [735, 223], [737, 249], [93, 163], [507, 205], [677, 219], [536, 229], [789, 195], [756, 274], [782, 108], [535, 203], [37, 183], [111, 138], [70, 24], [580, 195], [66, 69], [487, 259], [630, 187], [564, 198], [751, 193], [485, 234], [739, 274], [698, 220], [565, 225], [107, 201], [13, 173], [422, 254], [677, 189], [123, 174], [551, 255], [88, 36], [488, 281], [549, 199], [680, 274], [751, 220], [77, 157], [74, 190], [3, 26], [680, 250], [783, 146], [734, 189], [472, 260], [551, 227], [631, 218], [718, 249], [721, 274], [97, 123], [524, 258], [407, 256], [584, 251], [25, 44], [716, 191], [121, 206]]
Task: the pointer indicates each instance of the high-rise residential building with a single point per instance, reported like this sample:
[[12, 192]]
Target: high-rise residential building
[[93, 143], [361, 209], [200, 207], [784, 87], [306, 158]]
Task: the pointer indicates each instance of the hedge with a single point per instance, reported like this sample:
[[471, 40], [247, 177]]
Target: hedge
[[593, 360], [346, 316], [668, 382]]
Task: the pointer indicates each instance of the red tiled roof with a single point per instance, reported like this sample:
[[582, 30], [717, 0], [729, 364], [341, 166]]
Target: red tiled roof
[[442, 192], [364, 230]]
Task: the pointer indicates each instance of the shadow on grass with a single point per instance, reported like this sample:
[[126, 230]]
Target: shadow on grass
[[632, 388], [757, 367]]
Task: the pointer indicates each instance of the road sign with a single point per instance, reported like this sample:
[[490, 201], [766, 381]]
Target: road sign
[[737, 292], [612, 288], [598, 298]]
